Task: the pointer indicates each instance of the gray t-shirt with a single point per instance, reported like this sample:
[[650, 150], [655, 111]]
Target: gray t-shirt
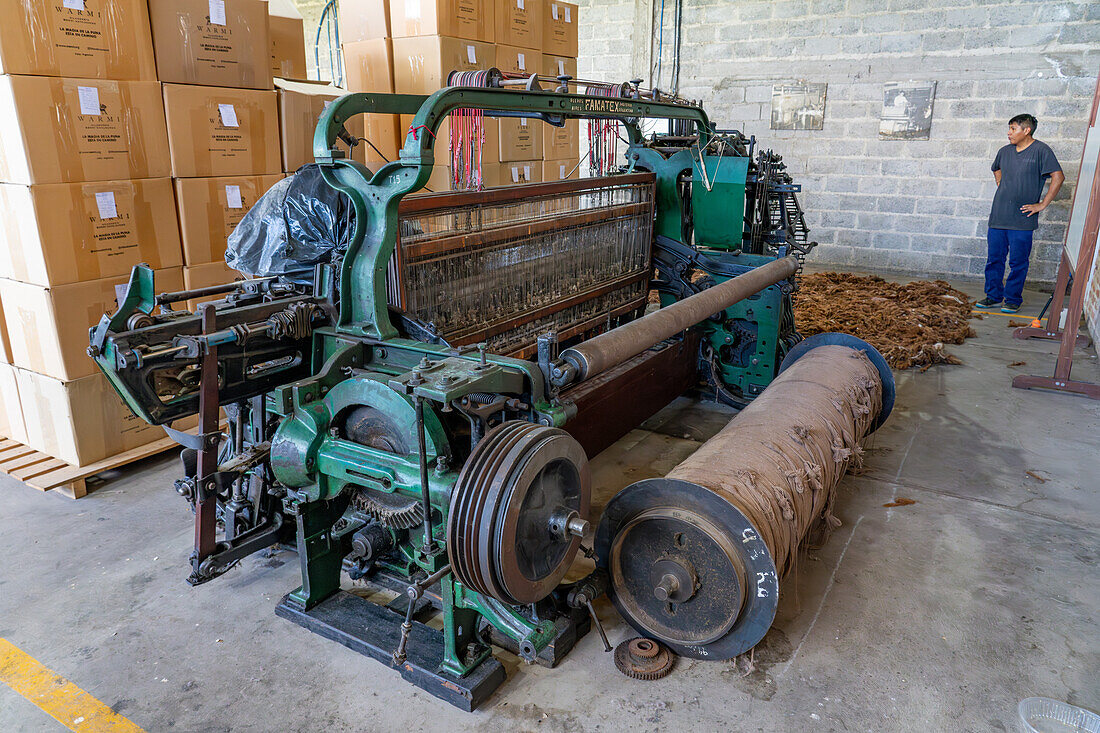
[[1023, 173]]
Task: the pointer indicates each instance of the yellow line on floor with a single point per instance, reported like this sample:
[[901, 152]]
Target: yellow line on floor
[[1021, 316], [55, 695]]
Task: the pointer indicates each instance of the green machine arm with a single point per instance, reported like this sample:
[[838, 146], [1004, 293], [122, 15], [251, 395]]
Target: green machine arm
[[376, 196]]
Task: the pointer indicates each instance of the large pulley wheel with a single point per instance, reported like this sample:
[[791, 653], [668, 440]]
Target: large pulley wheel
[[687, 568], [516, 511]]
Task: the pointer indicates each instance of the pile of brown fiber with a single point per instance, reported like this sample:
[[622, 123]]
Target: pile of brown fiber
[[909, 324]]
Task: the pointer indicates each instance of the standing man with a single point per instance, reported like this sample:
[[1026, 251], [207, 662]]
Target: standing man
[[1020, 168]]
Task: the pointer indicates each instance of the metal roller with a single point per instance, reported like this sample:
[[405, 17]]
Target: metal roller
[[695, 557], [619, 344]]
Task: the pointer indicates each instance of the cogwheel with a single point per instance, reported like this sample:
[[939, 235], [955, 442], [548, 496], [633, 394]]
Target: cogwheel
[[643, 659], [390, 510]]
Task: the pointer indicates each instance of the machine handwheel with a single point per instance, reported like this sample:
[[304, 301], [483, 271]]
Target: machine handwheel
[[517, 512]]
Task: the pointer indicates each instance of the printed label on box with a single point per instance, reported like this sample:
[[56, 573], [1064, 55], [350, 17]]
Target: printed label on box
[[527, 173], [561, 172], [567, 20], [522, 62], [73, 4], [229, 115], [471, 54], [561, 68], [217, 12], [523, 122], [233, 197], [105, 202], [554, 11], [412, 9], [519, 4], [515, 174], [89, 100]]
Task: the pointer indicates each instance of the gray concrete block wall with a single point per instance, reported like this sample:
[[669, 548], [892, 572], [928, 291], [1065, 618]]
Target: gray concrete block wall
[[913, 206]]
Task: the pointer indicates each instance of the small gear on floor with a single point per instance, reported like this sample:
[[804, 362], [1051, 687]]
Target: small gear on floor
[[643, 659]]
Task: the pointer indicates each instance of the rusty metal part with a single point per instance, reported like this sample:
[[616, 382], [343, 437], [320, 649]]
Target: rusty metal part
[[695, 557], [617, 401], [598, 354], [390, 510], [644, 659], [515, 492]]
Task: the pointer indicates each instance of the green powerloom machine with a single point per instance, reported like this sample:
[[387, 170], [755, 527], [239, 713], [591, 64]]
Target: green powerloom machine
[[418, 414]]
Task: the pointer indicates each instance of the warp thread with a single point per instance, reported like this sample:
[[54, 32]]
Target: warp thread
[[467, 135], [603, 135]]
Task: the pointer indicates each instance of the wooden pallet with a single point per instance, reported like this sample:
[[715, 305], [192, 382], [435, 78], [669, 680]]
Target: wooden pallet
[[47, 473]]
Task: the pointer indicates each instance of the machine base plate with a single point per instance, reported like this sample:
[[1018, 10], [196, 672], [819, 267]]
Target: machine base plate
[[568, 630], [375, 631]]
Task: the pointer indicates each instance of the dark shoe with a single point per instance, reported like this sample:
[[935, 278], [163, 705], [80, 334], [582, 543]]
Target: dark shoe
[[987, 304], [1009, 308]]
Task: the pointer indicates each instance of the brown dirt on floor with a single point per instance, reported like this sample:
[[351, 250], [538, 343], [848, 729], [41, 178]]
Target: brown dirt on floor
[[909, 324]]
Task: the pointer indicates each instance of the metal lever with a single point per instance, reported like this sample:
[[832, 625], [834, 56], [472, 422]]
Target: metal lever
[[599, 626], [414, 592]]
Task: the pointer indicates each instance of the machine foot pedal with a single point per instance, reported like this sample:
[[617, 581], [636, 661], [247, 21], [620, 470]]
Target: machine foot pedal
[[375, 631]]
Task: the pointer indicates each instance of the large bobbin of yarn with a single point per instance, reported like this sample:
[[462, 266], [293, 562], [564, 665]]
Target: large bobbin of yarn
[[695, 557]]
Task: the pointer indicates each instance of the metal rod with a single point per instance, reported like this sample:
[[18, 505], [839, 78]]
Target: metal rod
[[207, 463], [425, 497], [627, 341], [598, 625]]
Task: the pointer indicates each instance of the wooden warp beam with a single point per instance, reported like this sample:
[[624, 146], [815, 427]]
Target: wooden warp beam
[[780, 459], [908, 324]]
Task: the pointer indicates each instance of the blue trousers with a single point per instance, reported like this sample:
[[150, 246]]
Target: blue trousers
[[1016, 246]]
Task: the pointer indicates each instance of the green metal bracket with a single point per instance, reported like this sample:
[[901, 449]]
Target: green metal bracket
[[718, 200]]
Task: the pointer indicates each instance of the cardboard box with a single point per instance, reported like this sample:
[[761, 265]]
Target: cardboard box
[[205, 275], [11, 411], [100, 39], [512, 174], [82, 421], [520, 139], [561, 143], [368, 65], [214, 131], [61, 130], [519, 23], [363, 20], [59, 233], [300, 106], [288, 47], [5, 344], [469, 19], [48, 327], [555, 65], [518, 60], [559, 28], [560, 170], [211, 208], [222, 43], [422, 65]]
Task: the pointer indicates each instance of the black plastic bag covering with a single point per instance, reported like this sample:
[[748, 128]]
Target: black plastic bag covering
[[301, 221]]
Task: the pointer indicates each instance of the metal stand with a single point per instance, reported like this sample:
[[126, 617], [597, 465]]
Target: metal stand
[[1061, 381], [375, 631]]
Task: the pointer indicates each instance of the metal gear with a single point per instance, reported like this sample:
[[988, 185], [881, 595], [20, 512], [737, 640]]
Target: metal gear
[[644, 659], [390, 510]]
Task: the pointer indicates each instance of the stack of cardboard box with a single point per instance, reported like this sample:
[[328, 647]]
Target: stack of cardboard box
[[410, 47], [85, 194], [214, 59]]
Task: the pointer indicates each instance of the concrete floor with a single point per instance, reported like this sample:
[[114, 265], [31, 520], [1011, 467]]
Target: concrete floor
[[938, 616]]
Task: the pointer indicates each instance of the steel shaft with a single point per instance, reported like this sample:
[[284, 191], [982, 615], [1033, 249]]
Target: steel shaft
[[619, 344]]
